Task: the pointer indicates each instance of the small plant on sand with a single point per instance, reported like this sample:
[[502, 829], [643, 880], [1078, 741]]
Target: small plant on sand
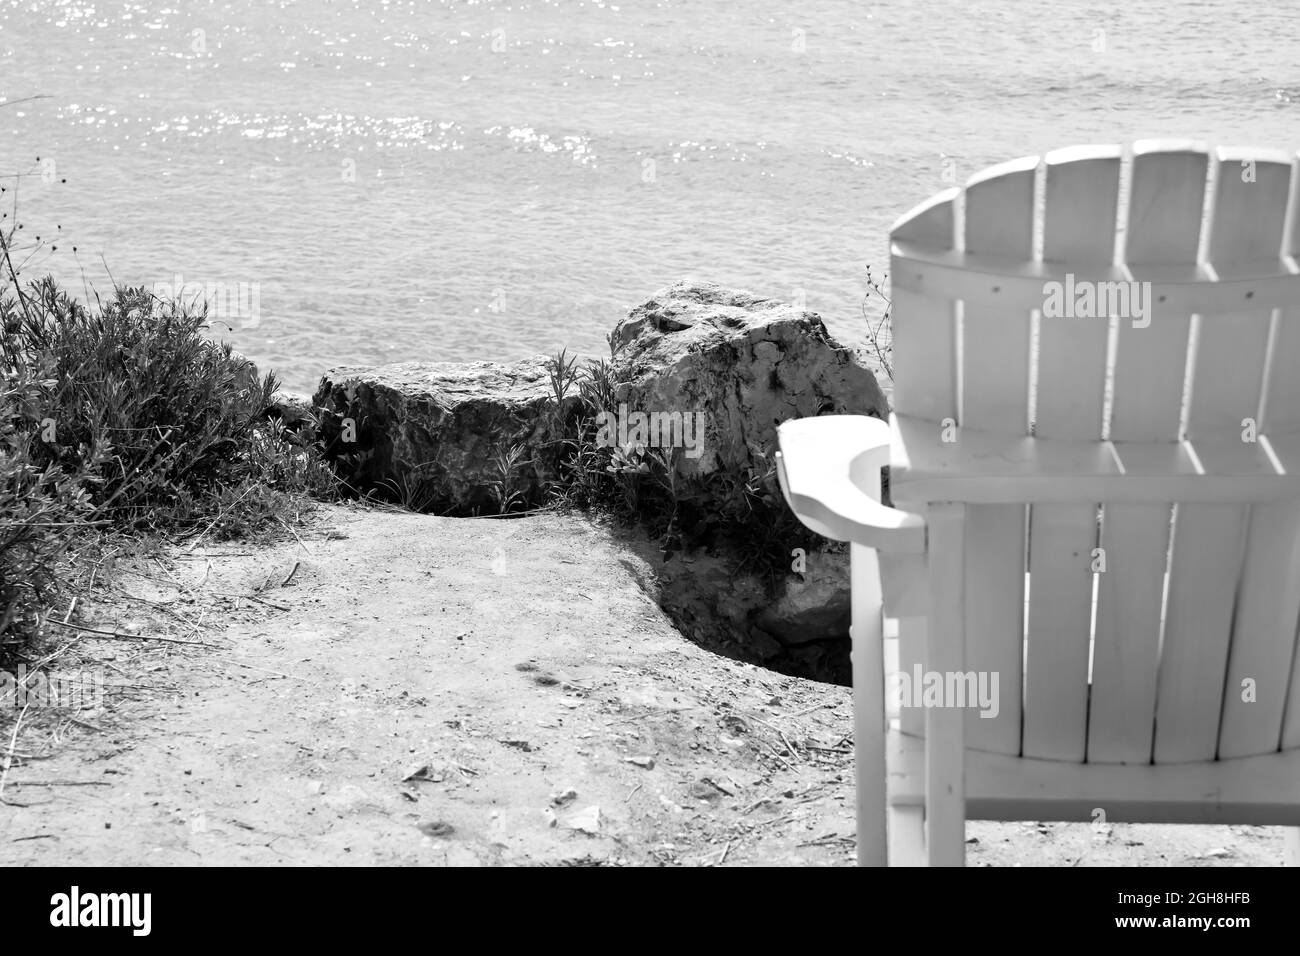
[[506, 493]]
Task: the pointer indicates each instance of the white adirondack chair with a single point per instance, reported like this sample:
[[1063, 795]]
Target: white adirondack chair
[[1157, 679]]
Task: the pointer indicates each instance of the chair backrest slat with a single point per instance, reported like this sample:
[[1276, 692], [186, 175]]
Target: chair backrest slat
[[1282, 413], [1079, 230], [995, 342], [928, 339], [995, 364], [1164, 228], [1081, 191], [1282, 401], [1061, 539], [1248, 223]]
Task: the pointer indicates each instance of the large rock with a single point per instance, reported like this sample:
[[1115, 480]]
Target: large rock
[[744, 363], [440, 436]]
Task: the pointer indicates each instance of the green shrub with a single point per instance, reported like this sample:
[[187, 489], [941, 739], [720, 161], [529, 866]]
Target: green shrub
[[41, 510], [125, 417]]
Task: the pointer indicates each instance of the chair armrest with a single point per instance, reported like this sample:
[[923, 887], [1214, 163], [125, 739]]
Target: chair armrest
[[825, 464]]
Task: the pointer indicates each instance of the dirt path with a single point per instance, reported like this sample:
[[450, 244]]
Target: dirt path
[[440, 691]]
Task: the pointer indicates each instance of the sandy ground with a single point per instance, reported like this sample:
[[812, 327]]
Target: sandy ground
[[441, 691]]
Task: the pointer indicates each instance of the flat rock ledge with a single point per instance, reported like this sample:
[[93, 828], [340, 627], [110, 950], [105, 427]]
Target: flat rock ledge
[[450, 438]]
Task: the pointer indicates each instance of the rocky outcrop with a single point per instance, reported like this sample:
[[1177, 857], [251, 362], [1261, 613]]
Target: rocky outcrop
[[457, 439], [292, 408], [743, 363]]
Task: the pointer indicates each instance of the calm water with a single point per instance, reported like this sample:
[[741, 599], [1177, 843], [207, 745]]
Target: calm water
[[460, 180]]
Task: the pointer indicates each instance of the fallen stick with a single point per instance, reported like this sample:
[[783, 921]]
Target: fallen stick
[[114, 636], [254, 597], [289, 576], [809, 710], [295, 534], [778, 732], [226, 660], [13, 745], [63, 783], [827, 840]]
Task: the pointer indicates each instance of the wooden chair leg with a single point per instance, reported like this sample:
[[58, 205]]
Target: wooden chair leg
[[869, 706], [906, 836]]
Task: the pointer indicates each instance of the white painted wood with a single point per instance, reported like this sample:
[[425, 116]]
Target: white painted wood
[[995, 609], [1164, 225], [1282, 405], [1016, 285], [1248, 221], [824, 465], [911, 652], [945, 815], [868, 705], [1121, 711], [1203, 577], [1282, 413], [1158, 687], [995, 363], [1079, 232], [1292, 240], [1061, 539], [1291, 716], [994, 467], [1082, 192], [1251, 193], [904, 583], [995, 397], [906, 836], [1248, 790], [1263, 634], [924, 326]]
